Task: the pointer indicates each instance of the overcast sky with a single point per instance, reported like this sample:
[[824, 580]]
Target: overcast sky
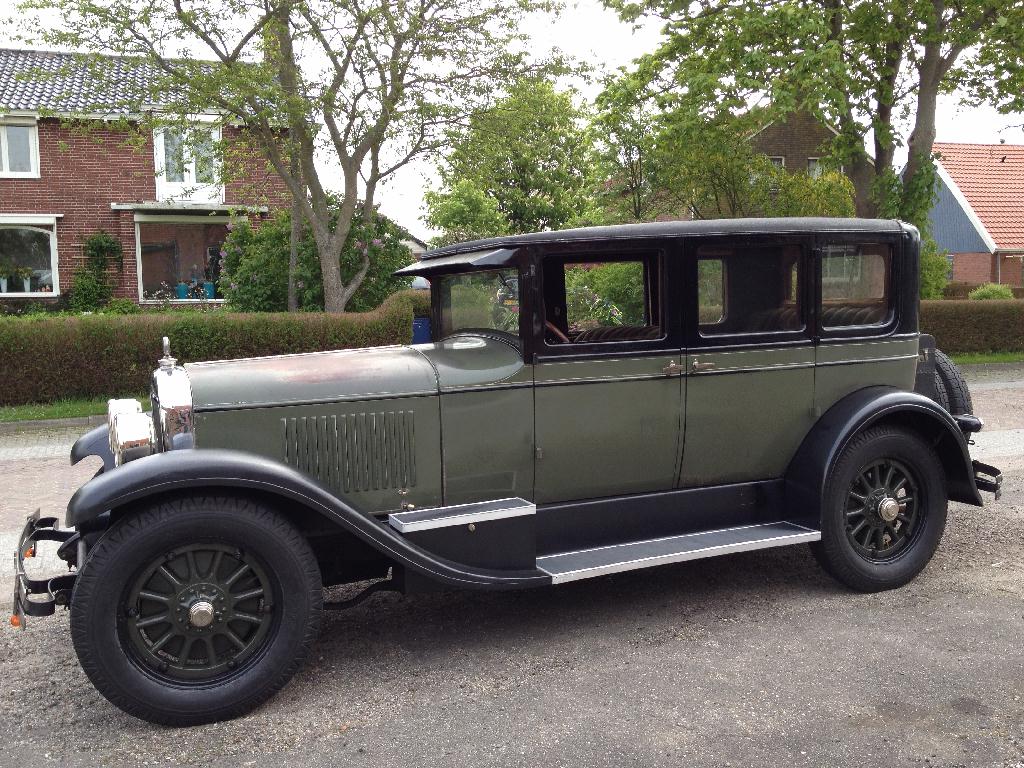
[[593, 34]]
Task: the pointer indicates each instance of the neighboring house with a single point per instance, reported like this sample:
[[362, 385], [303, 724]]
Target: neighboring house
[[67, 170], [978, 215], [799, 142]]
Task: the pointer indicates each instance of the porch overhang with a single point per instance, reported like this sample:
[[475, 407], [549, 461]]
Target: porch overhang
[[171, 208]]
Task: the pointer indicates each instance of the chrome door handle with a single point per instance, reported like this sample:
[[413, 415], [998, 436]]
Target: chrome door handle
[[673, 369], [698, 366]]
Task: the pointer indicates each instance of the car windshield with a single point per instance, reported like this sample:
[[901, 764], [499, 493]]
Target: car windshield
[[479, 300]]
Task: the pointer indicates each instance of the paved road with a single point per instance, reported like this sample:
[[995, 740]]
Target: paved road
[[755, 659]]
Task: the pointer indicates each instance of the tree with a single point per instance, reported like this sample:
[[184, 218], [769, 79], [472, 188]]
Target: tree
[[625, 129], [708, 168], [530, 154], [464, 212], [374, 83], [862, 65]]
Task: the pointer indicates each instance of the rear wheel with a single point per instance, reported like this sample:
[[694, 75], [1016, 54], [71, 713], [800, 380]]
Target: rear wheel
[[885, 510], [197, 609]]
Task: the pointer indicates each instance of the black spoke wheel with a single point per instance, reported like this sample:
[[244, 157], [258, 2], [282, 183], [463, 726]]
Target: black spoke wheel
[[198, 611], [196, 608], [884, 510]]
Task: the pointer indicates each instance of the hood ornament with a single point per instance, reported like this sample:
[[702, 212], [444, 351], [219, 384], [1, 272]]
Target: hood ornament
[[167, 362]]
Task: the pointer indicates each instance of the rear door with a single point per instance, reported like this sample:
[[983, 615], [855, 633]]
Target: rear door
[[607, 385], [750, 358]]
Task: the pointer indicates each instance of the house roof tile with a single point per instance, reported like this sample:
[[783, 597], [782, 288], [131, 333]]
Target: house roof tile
[[38, 81], [991, 177]]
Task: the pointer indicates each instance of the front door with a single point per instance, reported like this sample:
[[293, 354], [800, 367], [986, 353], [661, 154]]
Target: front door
[[608, 393], [750, 362]]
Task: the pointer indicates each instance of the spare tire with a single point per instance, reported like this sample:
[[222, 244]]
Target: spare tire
[[957, 398]]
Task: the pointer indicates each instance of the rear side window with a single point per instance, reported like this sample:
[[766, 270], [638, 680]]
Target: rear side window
[[748, 289], [855, 285]]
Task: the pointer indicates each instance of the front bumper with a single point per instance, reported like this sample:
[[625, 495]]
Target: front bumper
[[39, 597]]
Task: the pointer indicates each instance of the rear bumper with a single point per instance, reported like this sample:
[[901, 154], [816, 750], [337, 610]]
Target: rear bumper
[[32, 596], [988, 478]]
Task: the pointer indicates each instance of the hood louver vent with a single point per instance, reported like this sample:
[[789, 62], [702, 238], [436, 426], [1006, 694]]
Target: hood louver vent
[[354, 452]]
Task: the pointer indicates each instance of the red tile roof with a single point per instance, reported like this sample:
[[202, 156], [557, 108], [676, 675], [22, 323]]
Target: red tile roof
[[991, 177]]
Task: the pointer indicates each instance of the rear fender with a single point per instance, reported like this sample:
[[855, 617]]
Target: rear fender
[[211, 470], [808, 473]]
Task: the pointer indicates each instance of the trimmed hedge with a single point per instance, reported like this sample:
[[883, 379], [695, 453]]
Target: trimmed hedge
[[961, 326], [45, 359]]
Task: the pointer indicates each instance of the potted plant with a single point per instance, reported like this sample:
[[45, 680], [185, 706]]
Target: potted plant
[[25, 273], [6, 268]]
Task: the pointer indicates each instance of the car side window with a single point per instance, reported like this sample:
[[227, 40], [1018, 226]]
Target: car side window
[[855, 285], [601, 298], [749, 289]]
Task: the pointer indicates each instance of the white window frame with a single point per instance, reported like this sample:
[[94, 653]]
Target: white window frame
[[817, 166], [47, 224], [188, 190], [33, 148], [780, 158], [142, 218]]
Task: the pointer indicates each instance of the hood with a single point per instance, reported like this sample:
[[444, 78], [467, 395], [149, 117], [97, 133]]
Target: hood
[[350, 374]]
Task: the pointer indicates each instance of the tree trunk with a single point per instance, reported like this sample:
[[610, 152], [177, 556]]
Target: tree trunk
[[293, 242]]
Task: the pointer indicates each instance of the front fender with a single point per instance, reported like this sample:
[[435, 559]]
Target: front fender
[[210, 469], [808, 473], [95, 442]]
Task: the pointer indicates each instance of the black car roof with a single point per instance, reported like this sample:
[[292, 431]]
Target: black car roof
[[677, 228]]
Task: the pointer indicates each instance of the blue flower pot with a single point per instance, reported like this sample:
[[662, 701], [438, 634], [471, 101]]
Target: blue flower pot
[[209, 289], [181, 290]]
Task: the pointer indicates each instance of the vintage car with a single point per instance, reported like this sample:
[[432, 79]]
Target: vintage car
[[593, 401]]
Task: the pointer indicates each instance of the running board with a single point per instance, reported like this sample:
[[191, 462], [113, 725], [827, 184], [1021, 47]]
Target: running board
[[587, 563]]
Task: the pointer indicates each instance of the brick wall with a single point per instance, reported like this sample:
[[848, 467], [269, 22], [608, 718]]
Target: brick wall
[[800, 137], [84, 170], [974, 268], [978, 268]]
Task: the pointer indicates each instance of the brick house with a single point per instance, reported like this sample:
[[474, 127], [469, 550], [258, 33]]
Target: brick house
[[68, 170], [800, 142], [978, 215]]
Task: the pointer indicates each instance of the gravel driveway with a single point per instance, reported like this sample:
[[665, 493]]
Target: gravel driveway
[[755, 659]]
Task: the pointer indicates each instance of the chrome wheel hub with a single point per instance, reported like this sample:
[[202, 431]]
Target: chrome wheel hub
[[201, 614], [888, 509]]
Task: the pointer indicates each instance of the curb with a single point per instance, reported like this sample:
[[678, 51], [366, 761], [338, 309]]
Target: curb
[[8, 427]]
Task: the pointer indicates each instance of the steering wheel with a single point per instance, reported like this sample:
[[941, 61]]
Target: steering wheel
[[555, 330]]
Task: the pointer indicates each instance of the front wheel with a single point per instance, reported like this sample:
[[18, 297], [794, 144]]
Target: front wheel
[[196, 609], [884, 511]]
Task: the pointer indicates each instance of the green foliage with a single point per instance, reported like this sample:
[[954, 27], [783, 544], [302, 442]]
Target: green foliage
[[122, 306], [53, 358], [465, 212], [991, 292], [528, 154], [254, 276], [102, 250], [607, 294], [933, 270], [90, 290], [964, 326]]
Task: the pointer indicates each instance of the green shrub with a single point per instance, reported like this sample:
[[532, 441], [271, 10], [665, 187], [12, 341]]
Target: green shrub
[[103, 250], [934, 270], [254, 275], [89, 291], [991, 291], [55, 358], [122, 306], [420, 302], [961, 326]]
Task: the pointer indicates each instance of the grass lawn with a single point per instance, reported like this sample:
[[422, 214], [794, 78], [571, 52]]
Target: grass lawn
[[62, 409], [976, 358]]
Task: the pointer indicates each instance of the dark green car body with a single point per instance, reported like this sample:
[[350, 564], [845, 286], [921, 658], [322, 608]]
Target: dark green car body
[[593, 401]]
